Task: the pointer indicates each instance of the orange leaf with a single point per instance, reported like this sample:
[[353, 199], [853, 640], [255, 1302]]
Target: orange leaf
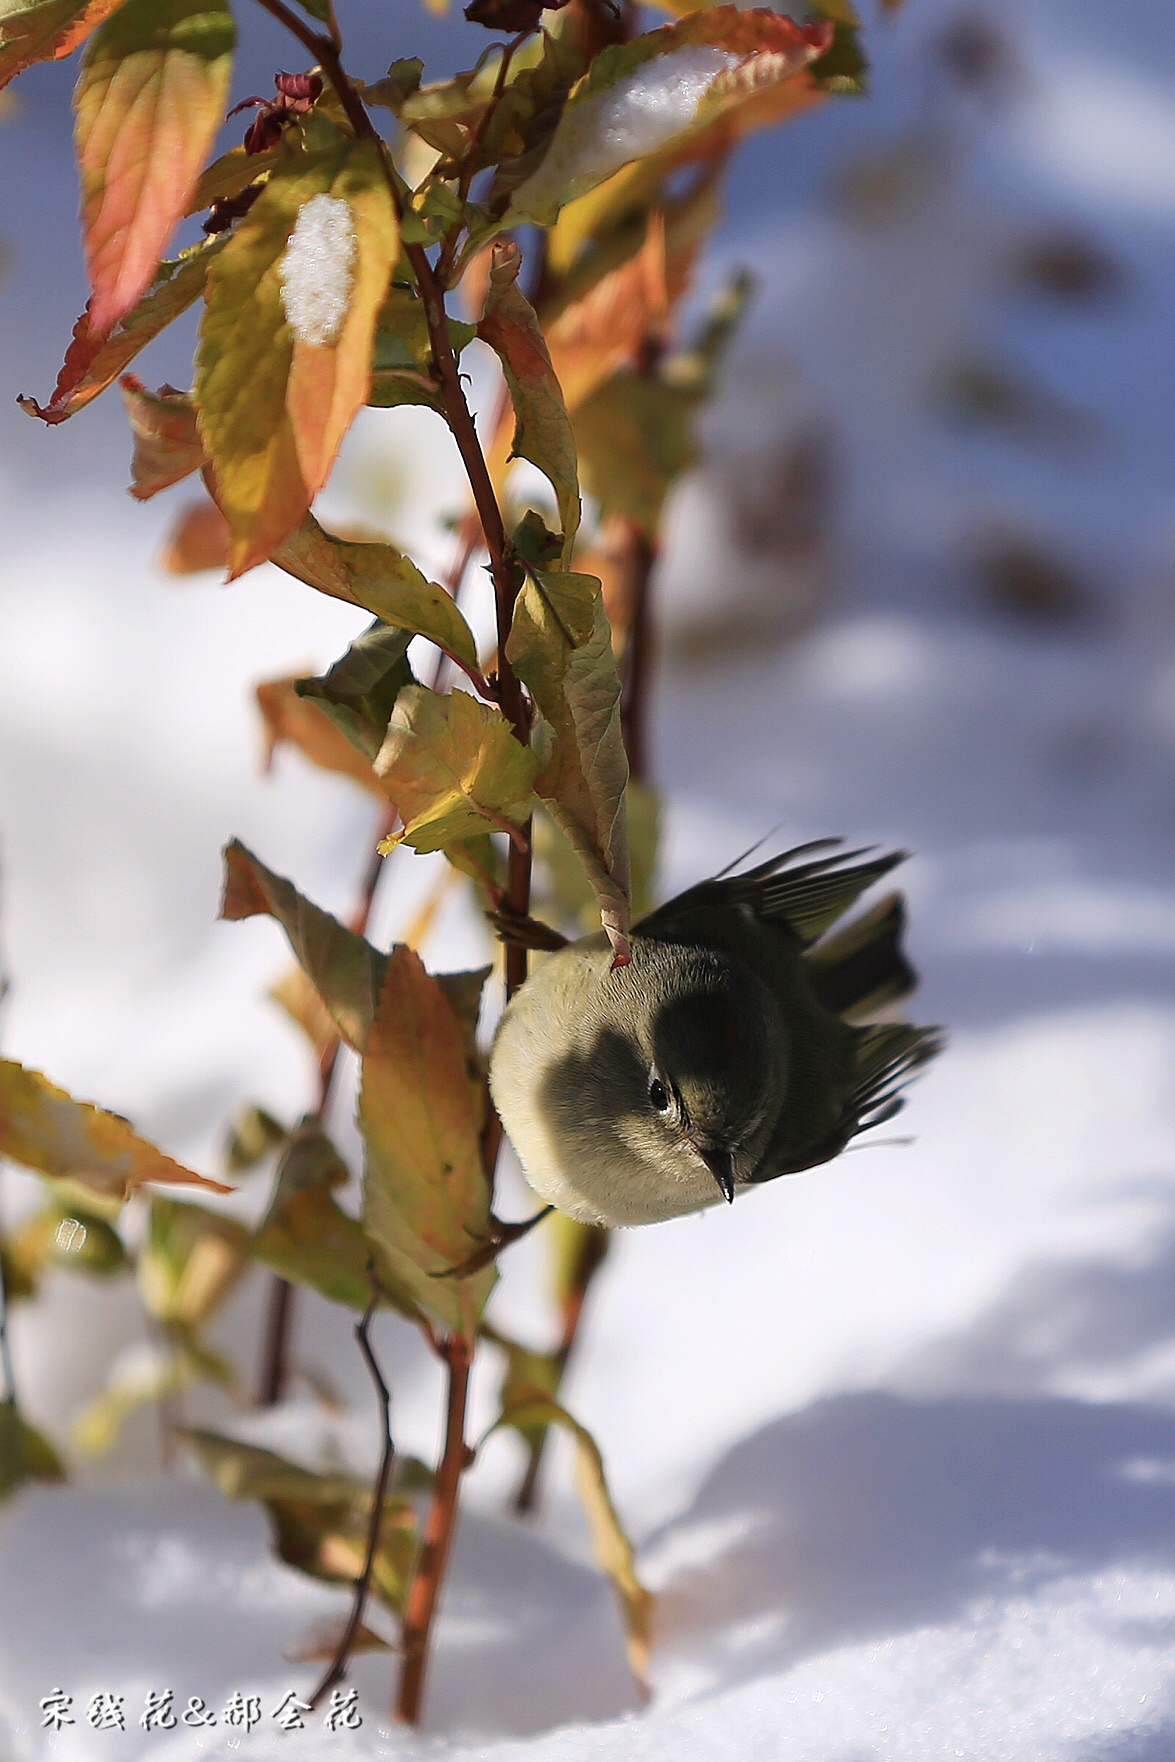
[[46, 30], [149, 102], [198, 541], [300, 722]]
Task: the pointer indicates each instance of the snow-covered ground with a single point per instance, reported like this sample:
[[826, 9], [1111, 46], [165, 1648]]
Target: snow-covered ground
[[897, 1436]]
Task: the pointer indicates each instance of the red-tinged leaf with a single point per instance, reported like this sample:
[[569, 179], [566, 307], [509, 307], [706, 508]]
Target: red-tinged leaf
[[647, 98], [426, 1202], [168, 447], [298, 721], [306, 269], [198, 541], [542, 431], [148, 104], [45, 30], [91, 363], [43, 1128]]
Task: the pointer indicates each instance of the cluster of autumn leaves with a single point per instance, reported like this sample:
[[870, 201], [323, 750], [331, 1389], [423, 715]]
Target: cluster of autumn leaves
[[552, 131]]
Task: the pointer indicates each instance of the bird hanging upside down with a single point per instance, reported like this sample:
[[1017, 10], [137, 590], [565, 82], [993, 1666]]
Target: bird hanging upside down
[[723, 1056]]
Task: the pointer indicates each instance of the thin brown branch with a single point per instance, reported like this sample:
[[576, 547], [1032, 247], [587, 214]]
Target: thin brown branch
[[638, 556], [423, 1594], [337, 1668]]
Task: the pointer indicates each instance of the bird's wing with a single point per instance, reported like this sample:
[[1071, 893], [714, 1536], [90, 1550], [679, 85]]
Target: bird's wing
[[806, 897]]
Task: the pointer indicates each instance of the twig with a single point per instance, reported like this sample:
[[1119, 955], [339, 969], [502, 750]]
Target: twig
[[469, 167], [638, 556], [457, 1353], [5, 1349], [337, 1668]]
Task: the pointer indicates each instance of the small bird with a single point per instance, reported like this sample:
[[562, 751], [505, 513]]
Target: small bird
[[724, 1055]]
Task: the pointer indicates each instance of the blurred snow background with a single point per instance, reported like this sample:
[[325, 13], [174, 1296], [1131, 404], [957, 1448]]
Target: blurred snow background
[[897, 1436]]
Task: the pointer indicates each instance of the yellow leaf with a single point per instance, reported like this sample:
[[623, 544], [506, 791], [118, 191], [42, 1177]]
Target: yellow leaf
[[148, 105], [300, 722], [307, 1237], [45, 1129], [227, 176], [530, 1409], [542, 431], [330, 379], [344, 968], [266, 301], [452, 768], [561, 647], [426, 1202], [383, 581]]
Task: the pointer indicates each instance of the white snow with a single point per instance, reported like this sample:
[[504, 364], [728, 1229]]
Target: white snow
[[318, 270], [897, 1437], [636, 115]]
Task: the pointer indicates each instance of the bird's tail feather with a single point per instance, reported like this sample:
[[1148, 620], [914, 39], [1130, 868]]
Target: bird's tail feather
[[887, 1057], [858, 970]]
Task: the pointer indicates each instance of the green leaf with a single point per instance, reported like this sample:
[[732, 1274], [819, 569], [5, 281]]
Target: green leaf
[[24, 1454], [528, 1409], [452, 768], [138, 1377], [561, 647], [308, 1238], [276, 396], [45, 30], [650, 95], [92, 363], [148, 105], [383, 581], [168, 446], [542, 431], [344, 968], [71, 1238], [227, 176], [426, 1201], [188, 1264], [43, 1128], [320, 1521], [402, 362], [294, 720], [253, 1136], [635, 436], [401, 80], [359, 692]]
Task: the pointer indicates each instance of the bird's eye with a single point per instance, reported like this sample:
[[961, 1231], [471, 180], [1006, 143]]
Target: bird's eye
[[658, 1094]]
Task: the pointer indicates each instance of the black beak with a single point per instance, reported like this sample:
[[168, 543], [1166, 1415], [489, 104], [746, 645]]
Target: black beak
[[721, 1165]]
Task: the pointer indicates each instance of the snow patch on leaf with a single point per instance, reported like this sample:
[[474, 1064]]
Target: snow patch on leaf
[[637, 115], [318, 270]]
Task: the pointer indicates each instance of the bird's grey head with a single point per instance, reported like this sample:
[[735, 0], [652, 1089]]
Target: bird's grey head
[[685, 1064]]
